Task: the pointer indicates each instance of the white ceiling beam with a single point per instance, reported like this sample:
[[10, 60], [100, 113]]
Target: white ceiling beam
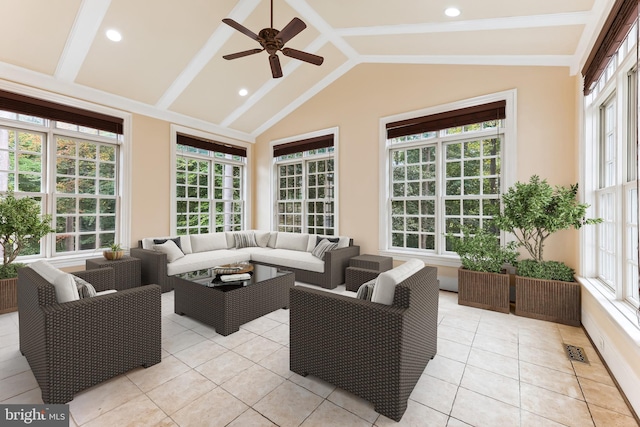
[[515, 22], [219, 37], [508, 60], [84, 30]]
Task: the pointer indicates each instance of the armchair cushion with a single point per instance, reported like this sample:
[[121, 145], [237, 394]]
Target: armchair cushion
[[385, 287], [65, 286]]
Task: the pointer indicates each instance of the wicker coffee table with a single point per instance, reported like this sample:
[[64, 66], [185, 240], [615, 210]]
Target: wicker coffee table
[[229, 305]]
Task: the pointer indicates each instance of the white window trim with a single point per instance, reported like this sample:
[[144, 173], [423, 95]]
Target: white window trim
[[125, 168], [619, 311], [175, 129], [509, 157], [336, 169]]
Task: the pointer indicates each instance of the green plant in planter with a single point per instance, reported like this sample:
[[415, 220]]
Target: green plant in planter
[[21, 224], [480, 250], [532, 212]]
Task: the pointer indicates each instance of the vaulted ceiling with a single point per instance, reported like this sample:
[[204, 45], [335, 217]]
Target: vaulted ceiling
[[169, 62]]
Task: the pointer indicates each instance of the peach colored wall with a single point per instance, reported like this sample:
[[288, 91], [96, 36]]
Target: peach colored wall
[[546, 116], [151, 165]]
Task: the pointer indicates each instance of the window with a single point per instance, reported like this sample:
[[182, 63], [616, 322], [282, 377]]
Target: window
[[305, 187], [210, 189], [610, 157], [73, 169], [444, 171]]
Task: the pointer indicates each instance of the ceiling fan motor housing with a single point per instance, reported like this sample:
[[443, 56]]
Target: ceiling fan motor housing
[[267, 39]]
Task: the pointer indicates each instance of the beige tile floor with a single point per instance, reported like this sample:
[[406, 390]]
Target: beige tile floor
[[491, 369]]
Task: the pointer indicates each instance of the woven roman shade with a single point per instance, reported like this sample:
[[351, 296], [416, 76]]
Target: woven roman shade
[[23, 104], [324, 141], [620, 20], [447, 119], [210, 145]]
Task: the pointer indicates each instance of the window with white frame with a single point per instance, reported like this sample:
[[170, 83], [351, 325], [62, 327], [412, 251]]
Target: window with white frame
[[444, 173], [611, 118], [73, 170], [305, 182], [210, 186]]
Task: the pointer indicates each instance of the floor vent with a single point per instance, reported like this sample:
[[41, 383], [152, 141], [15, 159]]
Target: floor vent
[[576, 353]]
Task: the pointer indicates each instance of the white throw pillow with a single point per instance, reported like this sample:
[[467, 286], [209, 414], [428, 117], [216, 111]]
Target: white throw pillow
[[385, 287], [171, 249], [262, 238], [66, 288]]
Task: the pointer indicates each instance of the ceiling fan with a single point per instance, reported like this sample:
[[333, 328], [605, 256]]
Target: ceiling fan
[[273, 41]]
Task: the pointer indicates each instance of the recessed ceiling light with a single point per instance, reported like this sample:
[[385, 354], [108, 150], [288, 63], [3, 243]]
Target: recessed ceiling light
[[114, 35], [452, 11], [243, 92]]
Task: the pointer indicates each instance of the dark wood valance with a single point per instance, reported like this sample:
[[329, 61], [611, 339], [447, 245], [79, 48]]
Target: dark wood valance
[[23, 104], [447, 119], [303, 145], [210, 145], [620, 20]]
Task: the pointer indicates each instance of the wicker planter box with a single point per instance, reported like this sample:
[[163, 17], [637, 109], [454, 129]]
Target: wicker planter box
[[549, 300], [483, 290], [8, 295]]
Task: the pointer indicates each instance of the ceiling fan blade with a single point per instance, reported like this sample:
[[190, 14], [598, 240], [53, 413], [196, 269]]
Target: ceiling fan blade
[[276, 70], [244, 30], [243, 53], [291, 30], [303, 56]]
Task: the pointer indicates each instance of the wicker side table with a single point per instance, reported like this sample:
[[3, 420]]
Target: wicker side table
[[128, 270], [363, 268]]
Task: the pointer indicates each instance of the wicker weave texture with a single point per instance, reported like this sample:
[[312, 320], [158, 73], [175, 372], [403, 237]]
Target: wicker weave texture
[[374, 351], [372, 262], [227, 310], [549, 300], [76, 345], [8, 295], [355, 277], [483, 290], [127, 270]]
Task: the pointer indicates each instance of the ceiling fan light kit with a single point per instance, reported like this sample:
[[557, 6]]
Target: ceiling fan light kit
[[272, 41]]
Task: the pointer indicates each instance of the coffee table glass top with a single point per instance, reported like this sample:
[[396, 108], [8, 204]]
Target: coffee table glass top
[[209, 278]]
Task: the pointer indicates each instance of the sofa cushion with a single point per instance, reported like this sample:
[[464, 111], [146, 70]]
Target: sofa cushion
[[293, 241], [322, 247], [245, 239], [262, 238], [170, 248], [302, 260], [272, 240], [208, 242], [175, 240], [47, 271], [384, 290], [203, 260]]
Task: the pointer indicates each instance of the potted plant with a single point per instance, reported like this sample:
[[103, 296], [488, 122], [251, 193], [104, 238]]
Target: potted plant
[[21, 227], [482, 279], [533, 211], [114, 252]]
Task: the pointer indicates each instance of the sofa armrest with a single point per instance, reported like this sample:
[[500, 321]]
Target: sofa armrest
[[337, 261], [153, 267]]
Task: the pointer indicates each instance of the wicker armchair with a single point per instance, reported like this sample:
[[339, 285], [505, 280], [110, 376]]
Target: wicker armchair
[[75, 345], [374, 351]]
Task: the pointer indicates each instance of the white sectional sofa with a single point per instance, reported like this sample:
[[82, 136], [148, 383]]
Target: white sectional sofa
[[291, 251]]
